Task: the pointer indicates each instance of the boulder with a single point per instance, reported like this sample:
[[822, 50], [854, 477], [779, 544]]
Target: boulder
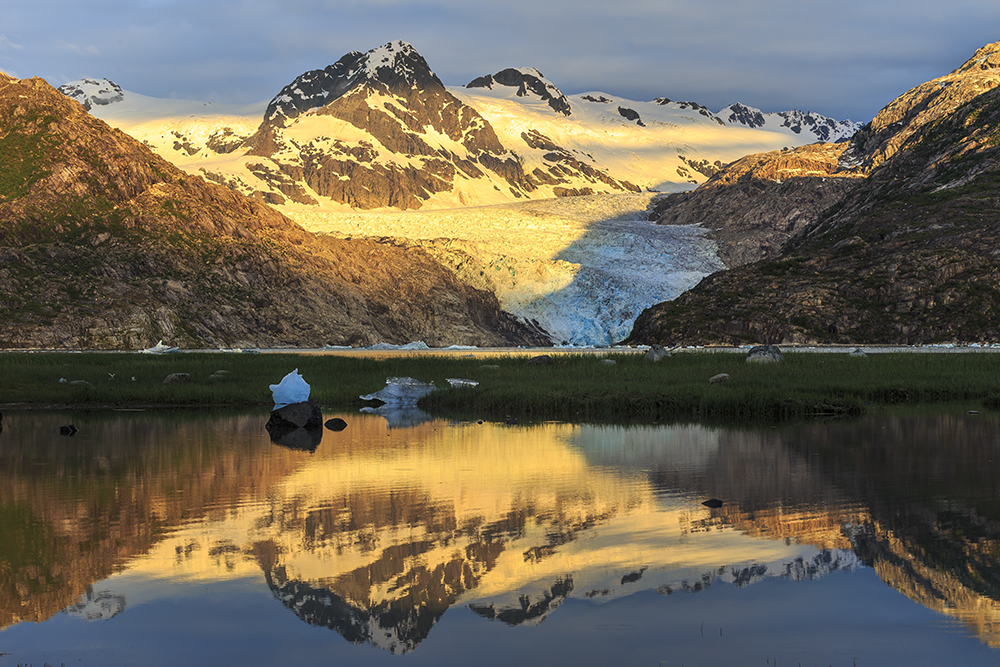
[[656, 353], [608, 362], [305, 414], [764, 354], [298, 425], [175, 378], [721, 377], [858, 352], [540, 360], [336, 424]]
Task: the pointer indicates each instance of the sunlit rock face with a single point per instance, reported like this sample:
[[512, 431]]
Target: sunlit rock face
[[117, 248], [399, 138], [527, 81]]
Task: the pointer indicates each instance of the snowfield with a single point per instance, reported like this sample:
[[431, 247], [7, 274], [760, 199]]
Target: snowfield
[[582, 268]]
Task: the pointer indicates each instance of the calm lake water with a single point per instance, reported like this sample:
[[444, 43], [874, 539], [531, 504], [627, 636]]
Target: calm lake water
[[189, 538]]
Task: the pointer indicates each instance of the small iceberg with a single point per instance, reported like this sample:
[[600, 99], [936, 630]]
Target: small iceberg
[[401, 392], [291, 389], [459, 382], [159, 348]]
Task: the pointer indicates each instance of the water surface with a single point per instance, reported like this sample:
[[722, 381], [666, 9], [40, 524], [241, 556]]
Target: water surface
[[166, 538]]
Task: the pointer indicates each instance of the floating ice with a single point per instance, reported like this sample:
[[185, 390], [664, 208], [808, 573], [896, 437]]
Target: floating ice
[[401, 392], [291, 389]]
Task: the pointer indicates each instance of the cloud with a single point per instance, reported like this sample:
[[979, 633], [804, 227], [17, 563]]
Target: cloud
[[845, 59], [7, 45]]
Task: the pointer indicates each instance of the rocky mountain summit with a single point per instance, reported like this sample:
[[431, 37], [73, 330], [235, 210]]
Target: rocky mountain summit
[[898, 257], [380, 130], [105, 245], [89, 92], [528, 81], [821, 128]]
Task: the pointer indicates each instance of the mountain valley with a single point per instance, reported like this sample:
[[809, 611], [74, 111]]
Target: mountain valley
[[519, 189]]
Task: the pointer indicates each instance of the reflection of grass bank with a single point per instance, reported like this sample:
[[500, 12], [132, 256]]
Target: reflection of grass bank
[[575, 387]]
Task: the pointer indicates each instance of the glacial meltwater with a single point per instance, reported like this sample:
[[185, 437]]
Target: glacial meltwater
[[189, 538]]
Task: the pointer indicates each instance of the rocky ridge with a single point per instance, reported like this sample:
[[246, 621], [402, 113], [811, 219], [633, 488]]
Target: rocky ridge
[[528, 81], [106, 245], [412, 139], [899, 259], [822, 128]]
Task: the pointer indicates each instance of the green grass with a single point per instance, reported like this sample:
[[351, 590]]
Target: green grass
[[575, 388]]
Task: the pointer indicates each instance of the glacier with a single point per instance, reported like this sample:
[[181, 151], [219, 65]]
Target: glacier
[[581, 268]]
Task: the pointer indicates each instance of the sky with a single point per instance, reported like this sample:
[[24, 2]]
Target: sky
[[845, 59]]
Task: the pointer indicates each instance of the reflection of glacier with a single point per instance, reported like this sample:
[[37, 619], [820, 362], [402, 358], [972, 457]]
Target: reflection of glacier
[[97, 605], [377, 542], [377, 538]]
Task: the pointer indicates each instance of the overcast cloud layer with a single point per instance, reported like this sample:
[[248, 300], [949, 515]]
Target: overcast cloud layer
[[844, 59]]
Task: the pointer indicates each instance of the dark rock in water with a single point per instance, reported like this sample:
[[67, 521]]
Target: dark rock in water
[[296, 415], [336, 424], [69, 429], [713, 503], [298, 425], [540, 360], [305, 439]]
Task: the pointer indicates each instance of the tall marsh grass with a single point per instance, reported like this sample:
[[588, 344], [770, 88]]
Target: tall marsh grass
[[575, 387]]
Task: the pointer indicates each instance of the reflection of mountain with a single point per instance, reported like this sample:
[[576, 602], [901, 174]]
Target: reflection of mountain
[[378, 536], [72, 515]]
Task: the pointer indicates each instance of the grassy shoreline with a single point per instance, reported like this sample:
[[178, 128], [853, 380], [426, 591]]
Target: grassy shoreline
[[576, 387]]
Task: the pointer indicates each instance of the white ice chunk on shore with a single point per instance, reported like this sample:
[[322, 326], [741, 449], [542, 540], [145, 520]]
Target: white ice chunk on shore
[[401, 392], [291, 389]]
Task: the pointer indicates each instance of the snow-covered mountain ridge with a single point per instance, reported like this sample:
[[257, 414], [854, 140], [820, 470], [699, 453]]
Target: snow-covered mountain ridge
[[819, 128], [379, 132]]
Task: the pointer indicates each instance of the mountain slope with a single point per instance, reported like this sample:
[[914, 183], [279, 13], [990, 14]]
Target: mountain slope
[[762, 202], [906, 257], [893, 125], [105, 245]]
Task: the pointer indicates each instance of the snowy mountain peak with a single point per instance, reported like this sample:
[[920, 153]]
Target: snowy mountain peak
[[823, 128], [391, 67], [90, 92], [528, 81]]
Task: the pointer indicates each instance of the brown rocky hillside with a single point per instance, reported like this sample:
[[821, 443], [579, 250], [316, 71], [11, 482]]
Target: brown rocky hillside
[[908, 256], [105, 245], [757, 205]]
